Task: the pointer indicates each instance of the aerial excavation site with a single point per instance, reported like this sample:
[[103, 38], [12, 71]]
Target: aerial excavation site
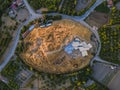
[[63, 47], [59, 44]]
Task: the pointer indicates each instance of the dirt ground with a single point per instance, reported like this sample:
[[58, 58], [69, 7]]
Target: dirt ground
[[81, 4], [8, 21], [46, 47], [118, 5], [22, 14], [97, 19]]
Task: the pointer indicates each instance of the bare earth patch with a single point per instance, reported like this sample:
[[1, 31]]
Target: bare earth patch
[[97, 19], [81, 4], [22, 14], [44, 47], [8, 21]]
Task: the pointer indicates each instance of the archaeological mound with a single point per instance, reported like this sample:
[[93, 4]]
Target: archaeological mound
[[63, 47]]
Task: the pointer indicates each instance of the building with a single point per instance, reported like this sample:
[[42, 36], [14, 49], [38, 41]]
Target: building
[[25, 34], [110, 3], [19, 2], [12, 13], [31, 27], [83, 47]]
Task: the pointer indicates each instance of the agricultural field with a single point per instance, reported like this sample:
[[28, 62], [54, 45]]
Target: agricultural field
[[13, 72], [3, 86], [69, 7], [7, 31], [60, 81], [10, 72], [110, 38], [72, 7], [3, 6], [97, 19], [51, 5]]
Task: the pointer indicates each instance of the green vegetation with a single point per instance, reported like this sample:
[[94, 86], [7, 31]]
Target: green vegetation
[[77, 79], [3, 86], [110, 38], [11, 71], [51, 17], [116, 1], [96, 86], [103, 8], [110, 43], [52, 5], [4, 4], [115, 16], [5, 38], [68, 6]]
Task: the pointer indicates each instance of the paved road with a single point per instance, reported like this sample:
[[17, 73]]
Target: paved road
[[98, 2], [12, 50], [31, 11], [16, 39]]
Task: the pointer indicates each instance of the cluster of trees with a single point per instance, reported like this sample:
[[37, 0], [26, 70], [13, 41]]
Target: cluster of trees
[[52, 5], [110, 41], [52, 17], [68, 6], [11, 71], [115, 16], [116, 1], [103, 8], [4, 4], [3, 86], [78, 78], [96, 86], [5, 38], [110, 38]]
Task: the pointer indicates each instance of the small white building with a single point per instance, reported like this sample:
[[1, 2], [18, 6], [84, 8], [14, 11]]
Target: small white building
[[49, 24], [31, 27], [83, 47], [42, 26], [84, 53]]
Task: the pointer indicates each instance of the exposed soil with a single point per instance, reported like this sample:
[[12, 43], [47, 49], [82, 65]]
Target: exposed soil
[[97, 19], [44, 47]]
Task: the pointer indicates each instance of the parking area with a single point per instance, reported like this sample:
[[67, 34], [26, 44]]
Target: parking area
[[103, 73], [114, 84]]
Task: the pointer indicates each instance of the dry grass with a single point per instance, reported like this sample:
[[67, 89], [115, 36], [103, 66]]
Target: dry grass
[[46, 53]]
